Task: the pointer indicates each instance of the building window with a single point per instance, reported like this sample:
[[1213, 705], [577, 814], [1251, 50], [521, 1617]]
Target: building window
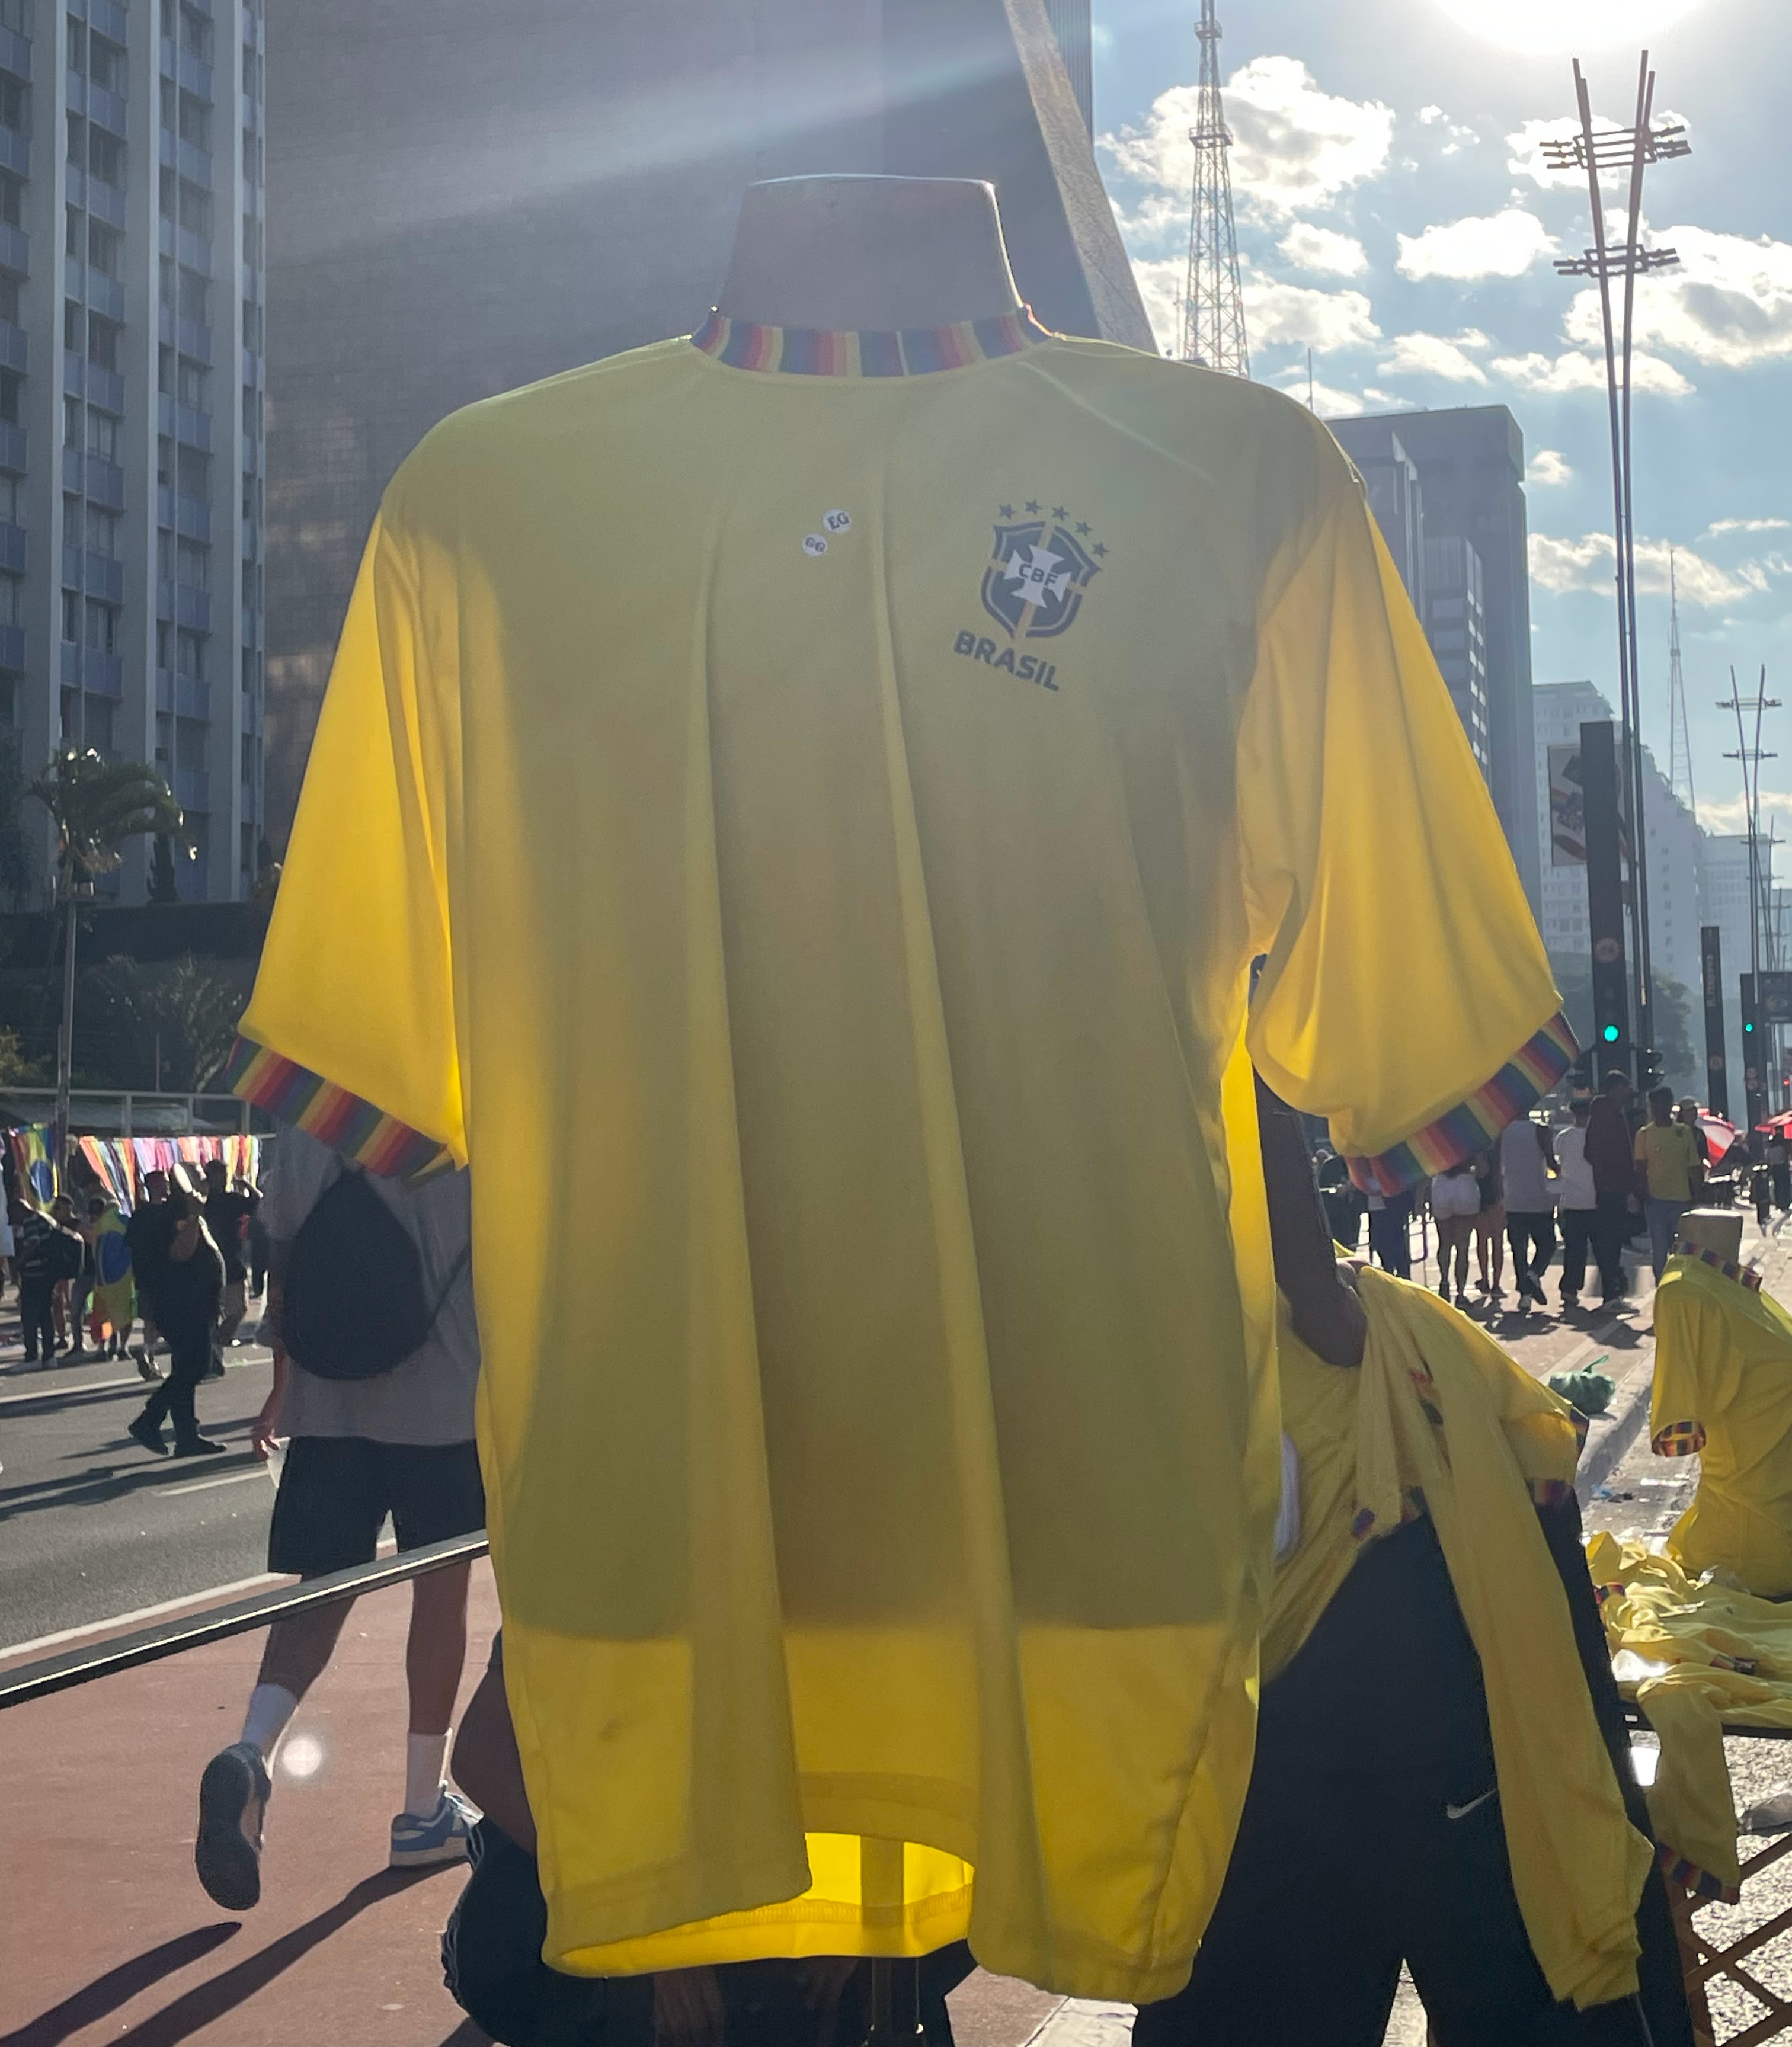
[[72, 313], [101, 532], [194, 118], [105, 247], [251, 157], [102, 341], [251, 498], [251, 586], [187, 202], [192, 384], [192, 564], [8, 298], [102, 626], [12, 200], [12, 396], [71, 616], [103, 435], [106, 157], [251, 412], [12, 600], [12, 500], [77, 47], [252, 326], [193, 473], [15, 103], [252, 248], [196, 33], [15, 15], [106, 61], [191, 651]]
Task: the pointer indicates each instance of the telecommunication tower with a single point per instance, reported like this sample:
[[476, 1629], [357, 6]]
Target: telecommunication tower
[[1680, 741], [1213, 307]]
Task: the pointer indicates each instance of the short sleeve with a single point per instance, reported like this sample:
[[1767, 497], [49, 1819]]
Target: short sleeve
[[1688, 1343], [350, 1032], [1406, 995]]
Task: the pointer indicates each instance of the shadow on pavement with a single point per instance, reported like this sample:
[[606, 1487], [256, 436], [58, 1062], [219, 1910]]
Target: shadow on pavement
[[105, 1994], [145, 1474], [207, 2001]]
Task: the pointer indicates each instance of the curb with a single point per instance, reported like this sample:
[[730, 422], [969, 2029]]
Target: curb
[[1612, 1435]]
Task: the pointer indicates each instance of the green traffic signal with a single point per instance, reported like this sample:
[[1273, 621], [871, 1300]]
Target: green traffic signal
[[1610, 1034], [1748, 1027]]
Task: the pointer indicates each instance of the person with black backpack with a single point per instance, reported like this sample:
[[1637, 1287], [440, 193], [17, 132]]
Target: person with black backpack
[[369, 1313]]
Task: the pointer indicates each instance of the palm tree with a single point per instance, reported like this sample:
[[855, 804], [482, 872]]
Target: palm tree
[[97, 804]]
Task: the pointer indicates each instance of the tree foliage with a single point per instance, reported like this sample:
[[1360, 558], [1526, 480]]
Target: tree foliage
[[187, 1008], [97, 804], [165, 886]]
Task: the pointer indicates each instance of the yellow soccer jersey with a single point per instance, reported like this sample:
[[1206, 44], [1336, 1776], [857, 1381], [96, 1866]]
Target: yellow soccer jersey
[[797, 813], [1723, 1388]]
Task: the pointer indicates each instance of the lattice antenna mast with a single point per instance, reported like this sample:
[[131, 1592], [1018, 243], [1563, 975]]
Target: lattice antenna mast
[[1680, 741], [1213, 308]]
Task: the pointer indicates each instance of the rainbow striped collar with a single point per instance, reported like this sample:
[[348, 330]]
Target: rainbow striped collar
[[910, 351]]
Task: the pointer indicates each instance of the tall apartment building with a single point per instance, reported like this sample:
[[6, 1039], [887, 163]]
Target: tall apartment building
[[1458, 475], [464, 197], [131, 307]]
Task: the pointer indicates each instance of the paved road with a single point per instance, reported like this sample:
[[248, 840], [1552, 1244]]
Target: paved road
[[90, 1525]]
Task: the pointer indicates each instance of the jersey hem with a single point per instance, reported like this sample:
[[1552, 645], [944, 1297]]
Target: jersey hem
[[357, 1129], [1472, 1125]]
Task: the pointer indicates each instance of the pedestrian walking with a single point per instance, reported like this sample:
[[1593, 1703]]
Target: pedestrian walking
[[256, 1246], [44, 1250], [1577, 1200], [1527, 1163], [370, 1434], [1391, 1232], [1761, 1192], [1490, 1226], [145, 1237], [1609, 1153], [227, 1217], [189, 1278], [1672, 1171], [71, 1275], [1779, 1166], [1456, 1203]]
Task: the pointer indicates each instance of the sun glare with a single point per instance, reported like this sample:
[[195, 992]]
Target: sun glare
[[1547, 28]]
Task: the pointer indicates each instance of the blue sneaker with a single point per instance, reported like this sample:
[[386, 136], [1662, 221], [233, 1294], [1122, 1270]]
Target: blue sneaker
[[233, 1801], [420, 1843]]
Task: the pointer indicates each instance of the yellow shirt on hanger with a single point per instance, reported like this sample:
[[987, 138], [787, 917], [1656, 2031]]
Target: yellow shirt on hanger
[[797, 813]]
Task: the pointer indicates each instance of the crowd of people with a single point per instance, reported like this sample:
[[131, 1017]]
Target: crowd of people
[[1585, 1182], [185, 1263]]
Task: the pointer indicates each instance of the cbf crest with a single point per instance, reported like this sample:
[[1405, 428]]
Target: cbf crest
[[1040, 568]]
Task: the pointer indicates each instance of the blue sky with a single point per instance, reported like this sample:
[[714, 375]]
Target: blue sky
[[1393, 212]]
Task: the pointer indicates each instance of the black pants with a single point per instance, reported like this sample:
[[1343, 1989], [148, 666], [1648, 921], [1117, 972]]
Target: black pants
[[1612, 1228], [1577, 1226], [34, 1301], [492, 1964], [1373, 1834], [1388, 1239], [1532, 1234], [189, 1344]]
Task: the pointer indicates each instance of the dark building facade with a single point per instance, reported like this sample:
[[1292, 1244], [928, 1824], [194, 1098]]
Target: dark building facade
[[1467, 466], [463, 198]]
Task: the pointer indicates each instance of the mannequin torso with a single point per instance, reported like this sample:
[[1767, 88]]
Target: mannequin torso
[[870, 253]]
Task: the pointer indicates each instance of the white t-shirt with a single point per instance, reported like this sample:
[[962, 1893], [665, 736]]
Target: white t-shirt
[[1455, 1194], [1574, 1186], [1529, 1188]]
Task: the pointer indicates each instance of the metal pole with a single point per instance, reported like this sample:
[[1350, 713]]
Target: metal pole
[[64, 1038], [1626, 714], [1645, 1021]]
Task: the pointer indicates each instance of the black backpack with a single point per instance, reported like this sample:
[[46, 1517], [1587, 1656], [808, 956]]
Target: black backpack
[[353, 1305]]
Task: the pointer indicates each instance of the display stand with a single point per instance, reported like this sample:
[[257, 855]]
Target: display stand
[[893, 2005]]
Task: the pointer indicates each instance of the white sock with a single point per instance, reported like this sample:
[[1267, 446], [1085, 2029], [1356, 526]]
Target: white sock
[[425, 1756], [270, 1707]]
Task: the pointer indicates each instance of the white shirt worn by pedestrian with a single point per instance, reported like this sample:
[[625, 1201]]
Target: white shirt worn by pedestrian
[[1574, 1186], [1529, 1188]]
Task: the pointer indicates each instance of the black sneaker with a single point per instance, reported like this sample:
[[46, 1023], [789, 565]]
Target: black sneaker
[[198, 1446], [148, 1433], [234, 1795]]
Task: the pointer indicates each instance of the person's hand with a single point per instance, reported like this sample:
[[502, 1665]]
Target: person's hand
[[1633, 1205], [262, 1429], [687, 2008]]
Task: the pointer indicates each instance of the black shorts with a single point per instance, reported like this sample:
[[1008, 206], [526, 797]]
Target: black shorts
[[335, 1493]]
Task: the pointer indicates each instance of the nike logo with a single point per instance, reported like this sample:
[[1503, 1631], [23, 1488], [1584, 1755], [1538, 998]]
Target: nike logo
[[1462, 1812]]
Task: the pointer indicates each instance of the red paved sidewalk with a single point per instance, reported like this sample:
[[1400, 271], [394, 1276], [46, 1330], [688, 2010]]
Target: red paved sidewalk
[[106, 1935]]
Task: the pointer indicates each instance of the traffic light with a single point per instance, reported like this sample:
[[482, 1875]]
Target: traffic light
[[1612, 1034]]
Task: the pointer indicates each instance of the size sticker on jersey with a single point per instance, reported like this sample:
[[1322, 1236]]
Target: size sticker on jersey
[[837, 522], [814, 544]]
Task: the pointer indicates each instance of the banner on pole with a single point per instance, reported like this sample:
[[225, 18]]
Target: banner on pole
[[1567, 808]]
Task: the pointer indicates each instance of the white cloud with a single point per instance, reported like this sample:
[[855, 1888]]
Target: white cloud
[[1432, 355], [1428, 114], [1277, 314], [1575, 372], [1310, 248], [1161, 282], [1587, 564], [1728, 303], [1328, 401], [1499, 245], [1547, 467], [1294, 146], [1731, 817], [1747, 525]]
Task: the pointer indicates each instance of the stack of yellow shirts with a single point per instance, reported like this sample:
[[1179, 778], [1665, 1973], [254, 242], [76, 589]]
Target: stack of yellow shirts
[[1706, 1655]]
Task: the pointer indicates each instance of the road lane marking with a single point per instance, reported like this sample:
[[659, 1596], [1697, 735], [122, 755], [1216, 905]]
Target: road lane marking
[[211, 1595], [50, 1392], [206, 1484]]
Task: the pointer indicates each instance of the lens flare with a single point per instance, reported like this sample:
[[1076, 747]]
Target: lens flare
[[1558, 28]]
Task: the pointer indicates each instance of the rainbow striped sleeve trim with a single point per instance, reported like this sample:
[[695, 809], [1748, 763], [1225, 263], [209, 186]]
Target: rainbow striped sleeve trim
[[1473, 1125], [1678, 1439], [356, 1129], [911, 351], [1689, 1877], [1745, 1276]]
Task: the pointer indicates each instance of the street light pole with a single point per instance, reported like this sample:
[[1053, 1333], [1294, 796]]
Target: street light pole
[[1634, 148]]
